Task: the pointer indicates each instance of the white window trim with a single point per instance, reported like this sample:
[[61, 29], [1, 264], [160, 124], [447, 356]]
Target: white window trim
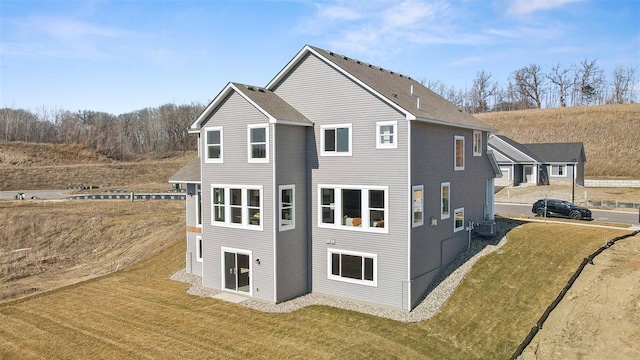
[[458, 210], [330, 276], [455, 152], [477, 134], [246, 224], [222, 268], [199, 244], [413, 209], [394, 144], [250, 159], [335, 127], [337, 208], [444, 216], [558, 166], [206, 145], [292, 225]]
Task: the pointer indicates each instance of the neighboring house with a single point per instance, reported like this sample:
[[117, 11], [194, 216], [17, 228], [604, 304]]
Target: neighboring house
[[539, 164], [338, 177]]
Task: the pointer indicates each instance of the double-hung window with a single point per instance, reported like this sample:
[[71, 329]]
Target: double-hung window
[[258, 143], [213, 144], [558, 170], [477, 143], [418, 214], [458, 153], [445, 195], [386, 135], [458, 219], [353, 267], [363, 208], [287, 207], [237, 206], [335, 140]]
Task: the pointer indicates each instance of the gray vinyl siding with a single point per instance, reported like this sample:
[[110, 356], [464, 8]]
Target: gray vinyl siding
[[234, 114], [196, 267], [432, 163], [327, 97], [292, 246]]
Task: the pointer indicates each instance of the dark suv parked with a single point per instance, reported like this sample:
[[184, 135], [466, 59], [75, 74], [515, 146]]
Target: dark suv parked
[[561, 208]]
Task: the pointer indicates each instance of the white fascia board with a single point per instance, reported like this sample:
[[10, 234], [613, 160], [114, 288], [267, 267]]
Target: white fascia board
[[534, 161], [195, 127], [287, 122], [184, 182], [446, 123], [307, 49]]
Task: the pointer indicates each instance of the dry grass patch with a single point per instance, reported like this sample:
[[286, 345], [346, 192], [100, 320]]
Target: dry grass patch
[[140, 313], [610, 133], [48, 244]]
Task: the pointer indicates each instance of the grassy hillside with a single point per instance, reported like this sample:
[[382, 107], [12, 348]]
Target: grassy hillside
[[610, 133], [140, 313], [56, 166], [48, 244]]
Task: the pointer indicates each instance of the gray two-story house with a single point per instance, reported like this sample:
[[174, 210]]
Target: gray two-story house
[[337, 177]]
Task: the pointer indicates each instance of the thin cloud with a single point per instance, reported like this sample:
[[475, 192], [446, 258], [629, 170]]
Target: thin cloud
[[524, 7], [64, 38]]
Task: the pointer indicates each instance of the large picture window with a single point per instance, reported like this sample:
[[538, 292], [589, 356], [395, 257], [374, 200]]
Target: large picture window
[[353, 267], [386, 135], [335, 140], [417, 210], [445, 196], [213, 144], [237, 206], [458, 153], [356, 207], [287, 207]]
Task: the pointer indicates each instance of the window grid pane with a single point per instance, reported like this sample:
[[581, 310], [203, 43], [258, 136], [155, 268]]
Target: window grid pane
[[330, 140], [351, 207], [328, 206], [376, 208], [343, 140], [417, 206]]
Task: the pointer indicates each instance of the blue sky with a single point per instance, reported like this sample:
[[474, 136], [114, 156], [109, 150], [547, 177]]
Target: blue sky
[[121, 56]]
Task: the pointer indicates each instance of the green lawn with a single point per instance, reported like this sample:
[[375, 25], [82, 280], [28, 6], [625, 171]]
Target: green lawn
[[140, 313]]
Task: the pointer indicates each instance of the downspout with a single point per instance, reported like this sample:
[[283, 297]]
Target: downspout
[[410, 217]]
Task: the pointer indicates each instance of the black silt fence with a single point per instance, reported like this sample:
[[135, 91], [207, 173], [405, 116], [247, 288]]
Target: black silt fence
[[545, 315]]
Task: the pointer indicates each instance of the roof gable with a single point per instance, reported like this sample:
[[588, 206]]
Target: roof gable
[[189, 173], [399, 91], [512, 150], [267, 102]]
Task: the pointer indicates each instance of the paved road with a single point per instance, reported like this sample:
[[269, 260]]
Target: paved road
[[621, 217], [40, 194]]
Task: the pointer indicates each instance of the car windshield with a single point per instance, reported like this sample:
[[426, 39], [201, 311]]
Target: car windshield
[[563, 202]]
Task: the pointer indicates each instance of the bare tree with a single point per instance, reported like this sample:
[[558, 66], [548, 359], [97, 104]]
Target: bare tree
[[481, 91], [623, 84], [588, 82], [530, 82], [560, 77]]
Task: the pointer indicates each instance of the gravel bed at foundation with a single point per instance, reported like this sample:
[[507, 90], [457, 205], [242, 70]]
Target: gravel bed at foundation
[[437, 295]]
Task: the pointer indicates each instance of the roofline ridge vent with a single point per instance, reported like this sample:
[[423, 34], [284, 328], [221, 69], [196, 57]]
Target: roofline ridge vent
[[251, 88]]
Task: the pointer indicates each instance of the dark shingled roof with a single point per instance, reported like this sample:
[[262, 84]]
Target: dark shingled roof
[[397, 89], [190, 173], [273, 104], [558, 152]]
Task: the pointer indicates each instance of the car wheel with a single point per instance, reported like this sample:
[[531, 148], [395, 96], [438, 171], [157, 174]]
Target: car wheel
[[540, 212], [575, 215]]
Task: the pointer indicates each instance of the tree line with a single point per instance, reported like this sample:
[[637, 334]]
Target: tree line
[[534, 86], [154, 132], [150, 132]]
